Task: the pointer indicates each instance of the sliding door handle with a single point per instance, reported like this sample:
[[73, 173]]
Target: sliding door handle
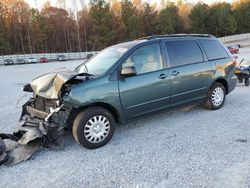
[[175, 73], [163, 76]]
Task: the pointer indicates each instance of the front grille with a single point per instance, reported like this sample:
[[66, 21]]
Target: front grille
[[44, 104]]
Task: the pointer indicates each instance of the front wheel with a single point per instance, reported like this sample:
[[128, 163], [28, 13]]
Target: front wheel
[[93, 127], [216, 97]]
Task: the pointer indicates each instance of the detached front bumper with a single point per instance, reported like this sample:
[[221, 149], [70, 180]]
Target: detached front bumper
[[40, 124]]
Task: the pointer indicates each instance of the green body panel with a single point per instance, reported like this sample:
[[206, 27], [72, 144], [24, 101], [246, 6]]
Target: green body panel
[[192, 82], [146, 93], [99, 90], [225, 70]]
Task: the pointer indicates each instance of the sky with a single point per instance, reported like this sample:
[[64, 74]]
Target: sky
[[39, 3]]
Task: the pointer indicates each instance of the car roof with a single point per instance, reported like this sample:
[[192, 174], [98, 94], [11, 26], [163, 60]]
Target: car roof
[[152, 37], [128, 45], [131, 44]]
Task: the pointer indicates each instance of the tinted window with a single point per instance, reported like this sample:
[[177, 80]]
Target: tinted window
[[184, 52], [145, 59], [213, 49]]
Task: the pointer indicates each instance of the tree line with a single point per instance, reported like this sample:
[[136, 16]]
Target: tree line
[[102, 23]]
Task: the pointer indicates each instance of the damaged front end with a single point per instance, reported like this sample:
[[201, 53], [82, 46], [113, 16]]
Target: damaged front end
[[43, 117]]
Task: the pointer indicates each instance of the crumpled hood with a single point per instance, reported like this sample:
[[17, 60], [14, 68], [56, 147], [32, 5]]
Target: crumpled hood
[[49, 84]]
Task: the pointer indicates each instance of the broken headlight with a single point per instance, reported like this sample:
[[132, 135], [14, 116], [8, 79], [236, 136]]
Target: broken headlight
[[64, 91]]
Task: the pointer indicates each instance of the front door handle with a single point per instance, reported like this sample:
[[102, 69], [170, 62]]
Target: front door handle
[[175, 73], [163, 76]]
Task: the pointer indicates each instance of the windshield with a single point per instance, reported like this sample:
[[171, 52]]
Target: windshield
[[101, 62]]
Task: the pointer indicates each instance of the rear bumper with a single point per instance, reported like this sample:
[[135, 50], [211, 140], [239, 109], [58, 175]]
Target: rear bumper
[[232, 84]]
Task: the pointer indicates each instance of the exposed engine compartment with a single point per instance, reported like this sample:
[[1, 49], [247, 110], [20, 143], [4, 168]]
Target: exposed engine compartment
[[43, 117]]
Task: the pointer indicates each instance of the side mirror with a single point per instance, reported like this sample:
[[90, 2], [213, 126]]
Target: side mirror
[[128, 71]]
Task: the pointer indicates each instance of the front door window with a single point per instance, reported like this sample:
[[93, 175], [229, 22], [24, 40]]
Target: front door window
[[145, 59]]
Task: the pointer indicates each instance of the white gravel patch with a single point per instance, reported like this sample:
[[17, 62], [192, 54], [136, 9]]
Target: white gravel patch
[[198, 148]]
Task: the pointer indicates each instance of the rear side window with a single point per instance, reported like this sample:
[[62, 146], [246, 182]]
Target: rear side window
[[213, 49], [184, 52]]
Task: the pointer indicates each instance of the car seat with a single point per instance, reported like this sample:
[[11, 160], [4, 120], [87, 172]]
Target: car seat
[[151, 64]]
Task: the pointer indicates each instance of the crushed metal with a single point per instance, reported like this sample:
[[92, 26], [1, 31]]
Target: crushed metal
[[43, 117]]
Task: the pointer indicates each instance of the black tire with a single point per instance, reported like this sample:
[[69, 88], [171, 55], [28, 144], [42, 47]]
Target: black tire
[[240, 80], [72, 116], [83, 119], [3, 155], [209, 103], [246, 81]]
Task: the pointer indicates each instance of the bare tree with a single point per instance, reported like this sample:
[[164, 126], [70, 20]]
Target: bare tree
[[62, 4], [75, 11], [82, 2]]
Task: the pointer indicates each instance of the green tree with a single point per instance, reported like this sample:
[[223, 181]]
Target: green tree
[[118, 22], [198, 18], [38, 31], [131, 20], [149, 16], [61, 37], [102, 33], [168, 19], [221, 21], [241, 11], [184, 10]]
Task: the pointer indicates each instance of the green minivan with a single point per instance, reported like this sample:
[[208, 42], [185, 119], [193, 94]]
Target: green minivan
[[129, 80]]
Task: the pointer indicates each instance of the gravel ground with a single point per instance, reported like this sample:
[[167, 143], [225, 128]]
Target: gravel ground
[[195, 148]]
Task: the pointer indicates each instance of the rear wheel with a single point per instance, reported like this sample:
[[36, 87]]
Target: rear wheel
[[94, 127], [246, 81], [216, 97]]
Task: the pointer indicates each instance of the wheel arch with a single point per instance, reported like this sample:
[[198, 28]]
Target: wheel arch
[[110, 108], [223, 82]]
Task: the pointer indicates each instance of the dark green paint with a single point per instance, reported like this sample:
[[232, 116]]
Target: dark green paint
[[146, 93]]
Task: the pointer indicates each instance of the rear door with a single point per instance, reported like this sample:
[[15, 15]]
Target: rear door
[[189, 72], [149, 90], [221, 60]]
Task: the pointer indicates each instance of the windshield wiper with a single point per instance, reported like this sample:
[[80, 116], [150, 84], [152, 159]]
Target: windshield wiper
[[78, 68], [86, 68]]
